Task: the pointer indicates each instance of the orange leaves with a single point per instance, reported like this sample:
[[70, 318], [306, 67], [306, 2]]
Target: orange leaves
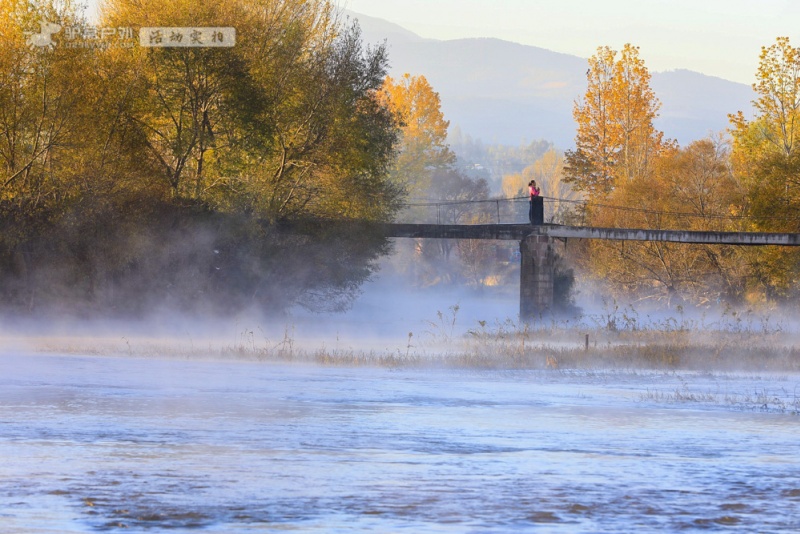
[[778, 86], [765, 154], [616, 138], [418, 106], [423, 146]]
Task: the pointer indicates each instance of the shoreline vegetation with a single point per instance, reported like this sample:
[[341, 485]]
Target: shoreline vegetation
[[681, 367], [148, 178], [618, 341], [666, 351], [125, 260]]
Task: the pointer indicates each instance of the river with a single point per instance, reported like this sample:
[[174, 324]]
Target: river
[[92, 443]]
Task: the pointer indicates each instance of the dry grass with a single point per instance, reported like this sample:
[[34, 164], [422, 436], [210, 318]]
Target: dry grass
[[506, 346], [669, 349], [614, 339]]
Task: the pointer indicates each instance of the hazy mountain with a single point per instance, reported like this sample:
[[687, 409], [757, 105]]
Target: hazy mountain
[[506, 92], [694, 105]]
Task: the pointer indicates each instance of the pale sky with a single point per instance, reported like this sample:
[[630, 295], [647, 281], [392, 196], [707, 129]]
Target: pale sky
[[716, 37]]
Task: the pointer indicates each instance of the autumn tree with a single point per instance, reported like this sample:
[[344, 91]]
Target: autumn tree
[[694, 189], [182, 104], [778, 104], [149, 173], [423, 142], [616, 139], [286, 123], [766, 159], [329, 138], [424, 168], [766, 151], [43, 109]]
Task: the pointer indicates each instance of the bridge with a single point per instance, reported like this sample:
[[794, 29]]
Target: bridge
[[537, 247], [518, 232], [537, 241]]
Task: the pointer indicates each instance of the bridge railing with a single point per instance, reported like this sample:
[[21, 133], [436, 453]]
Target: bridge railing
[[485, 211], [573, 212]]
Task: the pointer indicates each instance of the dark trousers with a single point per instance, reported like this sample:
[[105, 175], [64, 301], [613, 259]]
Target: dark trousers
[[536, 211]]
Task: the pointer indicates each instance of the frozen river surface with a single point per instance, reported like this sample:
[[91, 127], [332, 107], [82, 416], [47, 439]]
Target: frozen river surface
[[98, 444]]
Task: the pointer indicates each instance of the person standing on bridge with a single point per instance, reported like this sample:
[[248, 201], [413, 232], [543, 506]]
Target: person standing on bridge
[[533, 193]]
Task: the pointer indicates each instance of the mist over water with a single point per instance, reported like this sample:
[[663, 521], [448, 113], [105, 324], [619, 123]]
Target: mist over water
[[388, 309], [115, 426]]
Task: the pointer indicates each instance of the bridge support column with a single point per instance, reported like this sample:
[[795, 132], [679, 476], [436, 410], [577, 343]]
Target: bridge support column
[[536, 276]]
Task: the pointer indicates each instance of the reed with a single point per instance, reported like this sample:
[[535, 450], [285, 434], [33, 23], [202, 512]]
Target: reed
[[620, 339]]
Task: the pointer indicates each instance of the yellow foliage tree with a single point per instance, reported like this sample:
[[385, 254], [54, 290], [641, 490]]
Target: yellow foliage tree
[[766, 153], [44, 114], [286, 123], [766, 158], [694, 189], [778, 103], [513, 185], [616, 139], [423, 145]]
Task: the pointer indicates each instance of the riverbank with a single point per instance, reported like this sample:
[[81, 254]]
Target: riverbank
[[504, 346]]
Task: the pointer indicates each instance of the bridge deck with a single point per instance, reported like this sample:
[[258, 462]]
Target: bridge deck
[[517, 232]]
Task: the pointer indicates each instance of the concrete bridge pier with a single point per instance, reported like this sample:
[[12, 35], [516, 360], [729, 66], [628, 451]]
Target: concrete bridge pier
[[536, 276]]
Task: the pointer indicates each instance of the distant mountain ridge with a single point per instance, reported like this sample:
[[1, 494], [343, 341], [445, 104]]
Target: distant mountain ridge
[[505, 92]]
